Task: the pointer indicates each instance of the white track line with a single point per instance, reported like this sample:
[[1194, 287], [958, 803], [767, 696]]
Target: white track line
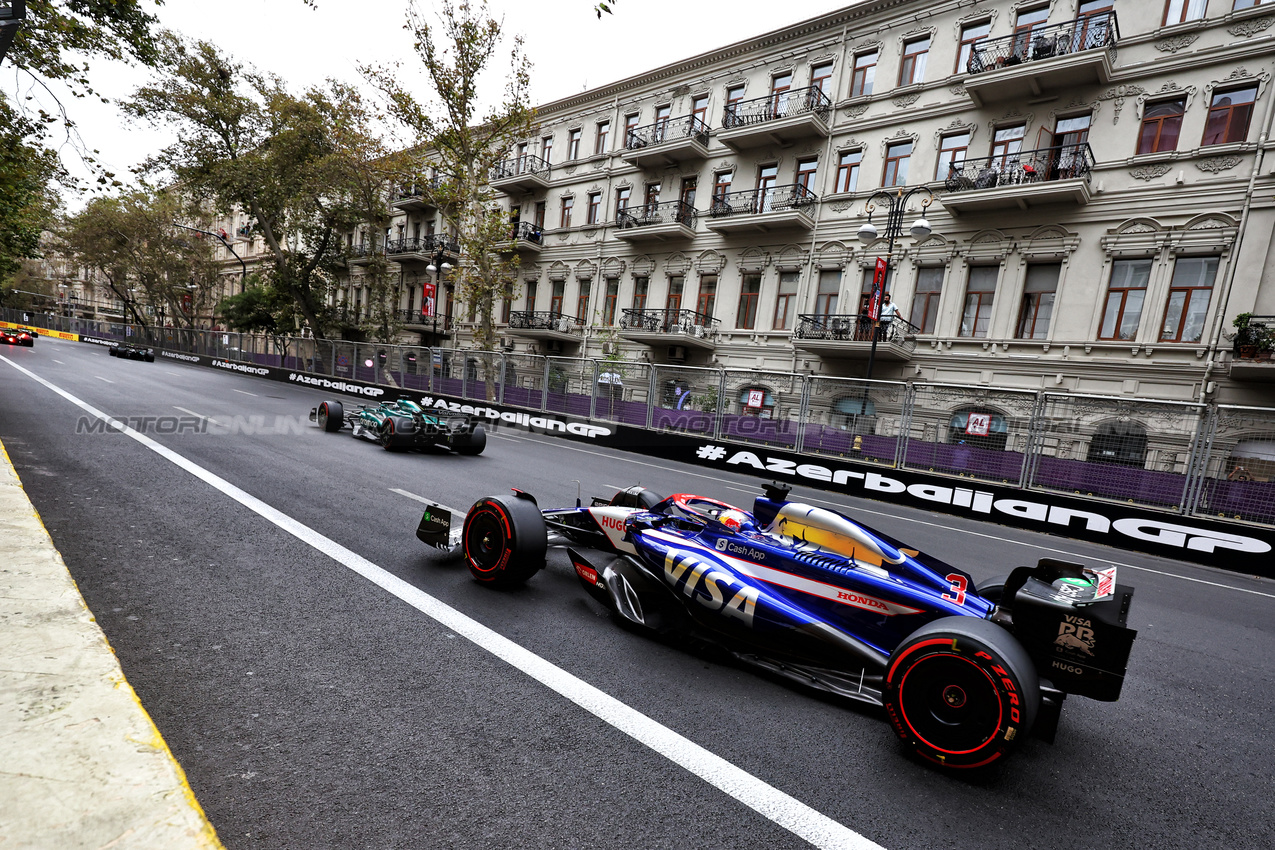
[[100, 378], [783, 809], [57, 361], [197, 415], [245, 392], [734, 485]]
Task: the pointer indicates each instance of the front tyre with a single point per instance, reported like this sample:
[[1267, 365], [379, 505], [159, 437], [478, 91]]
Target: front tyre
[[331, 416], [961, 692], [504, 540]]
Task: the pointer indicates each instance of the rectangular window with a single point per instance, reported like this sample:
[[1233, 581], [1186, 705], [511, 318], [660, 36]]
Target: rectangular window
[[699, 108], [784, 313], [721, 185], [652, 196], [630, 124], [1122, 313], [749, 291], [540, 214], [662, 114], [567, 204], [1007, 142], [622, 199], [1181, 11], [1229, 114], [953, 149], [640, 287], [1248, 4], [896, 164], [1038, 301], [608, 305], [806, 170], [734, 94], [980, 290], [531, 296], [675, 284], [1161, 124], [925, 303], [1027, 22], [546, 148], [767, 177], [848, 170], [971, 34], [556, 296], [865, 72], [594, 209], [913, 68], [707, 298], [603, 135], [1189, 296], [821, 78], [506, 305], [582, 302], [829, 290], [573, 144]]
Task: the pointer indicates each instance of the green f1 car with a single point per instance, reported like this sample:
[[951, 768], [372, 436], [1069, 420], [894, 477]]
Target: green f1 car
[[403, 424]]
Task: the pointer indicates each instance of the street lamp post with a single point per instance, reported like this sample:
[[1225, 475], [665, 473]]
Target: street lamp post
[[898, 203], [438, 266], [243, 267]]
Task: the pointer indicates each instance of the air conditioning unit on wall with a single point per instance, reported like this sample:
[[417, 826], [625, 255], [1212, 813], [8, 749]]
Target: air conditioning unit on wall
[[677, 353]]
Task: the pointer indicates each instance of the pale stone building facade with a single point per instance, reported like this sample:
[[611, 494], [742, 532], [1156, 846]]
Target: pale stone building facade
[[1104, 202]]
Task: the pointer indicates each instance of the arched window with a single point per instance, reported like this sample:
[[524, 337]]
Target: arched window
[[1123, 443], [979, 427], [757, 401], [854, 413]]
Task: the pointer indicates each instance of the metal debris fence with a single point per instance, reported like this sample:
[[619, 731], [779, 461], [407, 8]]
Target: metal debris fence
[[1193, 459]]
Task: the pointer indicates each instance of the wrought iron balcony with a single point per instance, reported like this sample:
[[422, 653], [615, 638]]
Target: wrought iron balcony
[[525, 231], [520, 174], [667, 142], [420, 195], [677, 212], [1022, 179], [405, 246], [414, 317], [777, 119], [542, 320], [423, 247], [1032, 62], [364, 251], [760, 201], [668, 321], [851, 336]]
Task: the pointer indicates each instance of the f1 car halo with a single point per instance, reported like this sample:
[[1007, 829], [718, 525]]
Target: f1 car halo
[[814, 596]]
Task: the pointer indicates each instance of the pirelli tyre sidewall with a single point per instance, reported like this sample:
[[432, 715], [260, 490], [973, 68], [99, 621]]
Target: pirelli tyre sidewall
[[471, 443], [504, 540], [331, 416], [397, 432], [961, 692]]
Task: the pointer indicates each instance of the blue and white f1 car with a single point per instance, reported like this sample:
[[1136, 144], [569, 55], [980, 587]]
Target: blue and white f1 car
[[814, 596]]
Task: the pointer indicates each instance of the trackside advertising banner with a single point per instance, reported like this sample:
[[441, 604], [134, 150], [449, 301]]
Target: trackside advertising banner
[[41, 331], [1234, 547]]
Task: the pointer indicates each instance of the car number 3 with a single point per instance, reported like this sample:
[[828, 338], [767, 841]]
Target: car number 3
[[957, 588]]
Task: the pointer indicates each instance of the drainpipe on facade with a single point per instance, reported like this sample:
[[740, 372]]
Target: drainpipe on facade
[[1219, 318], [827, 158]]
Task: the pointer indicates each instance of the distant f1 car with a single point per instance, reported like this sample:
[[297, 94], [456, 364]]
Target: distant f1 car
[[814, 596], [403, 424], [133, 352], [17, 336]]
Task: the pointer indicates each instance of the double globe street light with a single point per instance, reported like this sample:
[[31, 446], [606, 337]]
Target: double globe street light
[[897, 204], [438, 267]]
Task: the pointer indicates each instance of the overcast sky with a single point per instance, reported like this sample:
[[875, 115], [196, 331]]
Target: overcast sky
[[570, 49]]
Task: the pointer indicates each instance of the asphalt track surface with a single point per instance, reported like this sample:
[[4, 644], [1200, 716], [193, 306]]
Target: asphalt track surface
[[310, 707]]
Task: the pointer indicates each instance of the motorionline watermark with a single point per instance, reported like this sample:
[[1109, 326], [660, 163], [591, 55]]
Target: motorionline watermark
[[248, 426]]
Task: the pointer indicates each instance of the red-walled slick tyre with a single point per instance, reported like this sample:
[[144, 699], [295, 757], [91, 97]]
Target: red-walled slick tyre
[[331, 416], [505, 540], [961, 692]]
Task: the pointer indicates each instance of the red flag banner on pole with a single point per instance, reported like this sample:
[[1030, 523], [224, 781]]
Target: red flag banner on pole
[[878, 282], [427, 300]]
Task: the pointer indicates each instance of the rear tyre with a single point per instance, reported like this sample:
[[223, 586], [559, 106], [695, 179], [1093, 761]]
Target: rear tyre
[[112, 352], [472, 443], [993, 590], [396, 432], [331, 416], [504, 540], [961, 692]]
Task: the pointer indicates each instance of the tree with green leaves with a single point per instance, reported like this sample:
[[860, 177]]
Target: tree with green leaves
[[132, 246], [456, 136], [306, 167], [27, 203]]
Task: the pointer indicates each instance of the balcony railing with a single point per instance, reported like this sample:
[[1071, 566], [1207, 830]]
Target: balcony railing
[[542, 320], [851, 328], [365, 249], [687, 127], [519, 165], [1063, 162], [414, 317], [1087, 33], [422, 245], [772, 107], [755, 201], [668, 321], [528, 232], [669, 212], [422, 189]]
